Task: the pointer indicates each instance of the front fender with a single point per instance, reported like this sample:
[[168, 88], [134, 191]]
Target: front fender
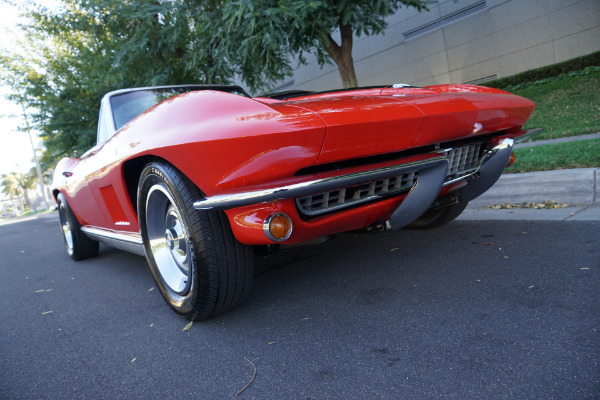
[[223, 142]]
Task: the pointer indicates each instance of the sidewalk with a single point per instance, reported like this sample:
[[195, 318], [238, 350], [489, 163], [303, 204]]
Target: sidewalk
[[580, 188]]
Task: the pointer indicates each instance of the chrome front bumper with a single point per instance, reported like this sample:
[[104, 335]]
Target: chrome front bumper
[[419, 200], [223, 202], [432, 175]]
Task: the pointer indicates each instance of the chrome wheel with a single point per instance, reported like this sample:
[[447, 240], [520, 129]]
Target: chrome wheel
[[66, 228], [198, 266], [168, 239]]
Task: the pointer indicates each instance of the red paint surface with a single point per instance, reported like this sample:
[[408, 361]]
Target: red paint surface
[[227, 144]]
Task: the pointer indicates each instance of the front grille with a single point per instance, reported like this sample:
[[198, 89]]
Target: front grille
[[463, 161], [324, 202]]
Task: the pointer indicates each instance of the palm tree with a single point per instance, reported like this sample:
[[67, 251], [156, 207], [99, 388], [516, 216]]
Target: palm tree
[[11, 187], [14, 184]]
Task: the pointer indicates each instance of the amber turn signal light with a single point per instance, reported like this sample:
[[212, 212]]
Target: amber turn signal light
[[512, 159], [278, 227]]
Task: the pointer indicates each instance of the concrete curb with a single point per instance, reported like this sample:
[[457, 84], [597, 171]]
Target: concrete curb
[[573, 186], [579, 212], [580, 188], [561, 140]]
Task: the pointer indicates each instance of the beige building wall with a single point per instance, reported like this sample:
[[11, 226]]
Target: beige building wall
[[469, 41]]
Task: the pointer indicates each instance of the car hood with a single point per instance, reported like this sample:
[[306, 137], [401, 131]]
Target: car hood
[[367, 122]]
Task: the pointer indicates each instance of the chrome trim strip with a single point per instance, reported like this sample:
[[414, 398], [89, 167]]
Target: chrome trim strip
[[128, 237], [462, 177], [226, 201], [528, 135], [127, 241]]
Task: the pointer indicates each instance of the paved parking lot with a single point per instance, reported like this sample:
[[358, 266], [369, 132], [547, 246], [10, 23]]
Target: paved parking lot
[[476, 309]]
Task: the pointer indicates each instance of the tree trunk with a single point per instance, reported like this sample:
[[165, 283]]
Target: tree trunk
[[20, 205], [342, 55]]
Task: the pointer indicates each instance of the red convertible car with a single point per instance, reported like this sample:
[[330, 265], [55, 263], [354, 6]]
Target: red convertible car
[[195, 177]]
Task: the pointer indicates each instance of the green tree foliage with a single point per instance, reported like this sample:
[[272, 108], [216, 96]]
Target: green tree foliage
[[73, 55], [258, 37]]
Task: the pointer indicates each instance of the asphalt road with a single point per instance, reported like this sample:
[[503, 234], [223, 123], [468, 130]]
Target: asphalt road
[[474, 310]]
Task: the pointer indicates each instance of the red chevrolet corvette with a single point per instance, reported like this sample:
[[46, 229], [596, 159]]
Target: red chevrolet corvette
[[193, 177]]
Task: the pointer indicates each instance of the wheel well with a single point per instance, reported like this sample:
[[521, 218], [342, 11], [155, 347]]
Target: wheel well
[[132, 170]]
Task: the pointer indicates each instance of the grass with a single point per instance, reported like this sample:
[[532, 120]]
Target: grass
[[566, 107], [576, 154]]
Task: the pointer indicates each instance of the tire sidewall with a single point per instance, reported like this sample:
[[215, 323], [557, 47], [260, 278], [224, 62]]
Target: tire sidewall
[[157, 174], [62, 202]]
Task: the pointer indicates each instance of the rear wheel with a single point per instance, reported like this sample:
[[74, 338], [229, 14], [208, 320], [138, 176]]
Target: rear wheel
[[78, 245], [199, 267], [438, 216]]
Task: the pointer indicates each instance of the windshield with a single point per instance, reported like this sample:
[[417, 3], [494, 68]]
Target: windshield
[[127, 106]]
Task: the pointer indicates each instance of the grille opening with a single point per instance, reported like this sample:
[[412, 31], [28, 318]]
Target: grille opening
[[325, 202], [462, 161]]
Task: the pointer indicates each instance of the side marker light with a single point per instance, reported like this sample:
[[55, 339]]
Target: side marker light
[[512, 159], [277, 227]]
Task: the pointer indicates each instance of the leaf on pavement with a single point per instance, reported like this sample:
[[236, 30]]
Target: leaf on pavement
[[188, 326], [251, 380], [550, 204]]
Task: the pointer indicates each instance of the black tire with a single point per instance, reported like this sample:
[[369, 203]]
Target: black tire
[[78, 245], [199, 267], [438, 216]]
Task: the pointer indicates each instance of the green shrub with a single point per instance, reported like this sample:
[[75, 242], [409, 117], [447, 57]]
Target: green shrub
[[527, 78]]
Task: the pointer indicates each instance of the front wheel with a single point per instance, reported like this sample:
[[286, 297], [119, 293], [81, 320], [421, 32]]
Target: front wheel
[[199, 267]]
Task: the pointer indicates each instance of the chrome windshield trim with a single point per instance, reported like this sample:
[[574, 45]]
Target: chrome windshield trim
[[226, 201]]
